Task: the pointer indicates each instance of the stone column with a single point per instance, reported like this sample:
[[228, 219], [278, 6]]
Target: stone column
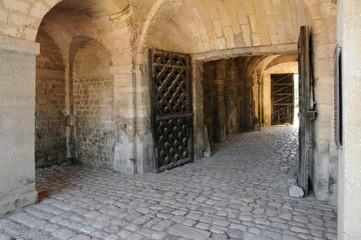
[[198, 108], [124, 118], [349, 197], [144, 138], [221, 118], [17, 123], [324, 163]]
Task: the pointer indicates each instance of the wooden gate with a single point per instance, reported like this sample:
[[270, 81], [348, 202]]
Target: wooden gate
[[172, 123], [282, 94], [307, 112]]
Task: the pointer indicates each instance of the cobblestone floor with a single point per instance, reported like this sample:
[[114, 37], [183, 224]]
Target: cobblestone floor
[[241, 192]]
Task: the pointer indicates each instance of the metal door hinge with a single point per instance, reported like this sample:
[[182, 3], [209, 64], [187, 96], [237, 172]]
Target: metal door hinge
[[312, 115]]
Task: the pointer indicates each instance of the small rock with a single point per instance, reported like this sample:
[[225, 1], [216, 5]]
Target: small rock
[[292, 181], [206, 144], [296, 191]]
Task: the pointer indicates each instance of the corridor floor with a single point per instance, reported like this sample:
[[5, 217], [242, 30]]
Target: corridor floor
[[241, 192]]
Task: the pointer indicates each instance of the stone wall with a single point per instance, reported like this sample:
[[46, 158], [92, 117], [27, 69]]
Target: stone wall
[[324, 165], [50, 104], [93, 90], [349, 38], [209, 30], [225, 96], [17, 104]]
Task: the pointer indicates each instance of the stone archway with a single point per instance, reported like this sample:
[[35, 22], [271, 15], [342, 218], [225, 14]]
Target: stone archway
[[209, 35], [70, 23], [50, 147], [93, 105]]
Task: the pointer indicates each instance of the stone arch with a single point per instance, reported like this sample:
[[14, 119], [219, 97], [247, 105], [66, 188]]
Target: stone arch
[[30, 14], [73, 24], [277, 65], [50, 120], [237, 24]]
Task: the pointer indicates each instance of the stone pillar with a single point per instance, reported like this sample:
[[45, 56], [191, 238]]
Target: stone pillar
[[324, 163], [198, 108], [349, 197], [124, 118], [221, 118], [17, 123], [144, 138]]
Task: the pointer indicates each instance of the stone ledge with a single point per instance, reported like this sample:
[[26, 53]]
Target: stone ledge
[[19, 46], [13, 203]]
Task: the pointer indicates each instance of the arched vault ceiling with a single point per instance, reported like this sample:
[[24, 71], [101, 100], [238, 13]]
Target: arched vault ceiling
[[196, 26], [98, 19]]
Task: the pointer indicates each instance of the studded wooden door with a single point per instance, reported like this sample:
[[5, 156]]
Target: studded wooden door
[[172, 116], [307, 106], [282, 96]]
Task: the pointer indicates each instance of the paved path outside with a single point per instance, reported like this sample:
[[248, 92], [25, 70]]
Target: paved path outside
[[241, 192]]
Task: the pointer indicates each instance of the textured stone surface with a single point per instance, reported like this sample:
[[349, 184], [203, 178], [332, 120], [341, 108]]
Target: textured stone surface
[[50, 119], [296, 191], [93, 105], [349, 30], [239, 192], [17, 131], [226, 98]]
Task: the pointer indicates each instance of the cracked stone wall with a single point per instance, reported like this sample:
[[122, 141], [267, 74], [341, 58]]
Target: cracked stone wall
[[93, 87], [50, 104]]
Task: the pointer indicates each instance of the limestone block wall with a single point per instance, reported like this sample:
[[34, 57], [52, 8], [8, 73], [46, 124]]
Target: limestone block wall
[[93, 90], [224, 99], [203, 26], [349, 38], [324, 165], [50, 119], [17, 130]]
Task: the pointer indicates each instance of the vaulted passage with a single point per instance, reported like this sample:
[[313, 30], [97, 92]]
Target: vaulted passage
[[238, 94], [74, 89], [77, 79]]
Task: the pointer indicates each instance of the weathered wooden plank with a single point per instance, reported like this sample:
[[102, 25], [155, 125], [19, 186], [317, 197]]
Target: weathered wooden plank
[[306, 101]]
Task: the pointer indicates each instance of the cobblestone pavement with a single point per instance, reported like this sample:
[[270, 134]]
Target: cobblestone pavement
[[241, 192]]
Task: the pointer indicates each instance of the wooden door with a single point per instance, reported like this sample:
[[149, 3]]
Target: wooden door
[[307, 112], [172, 118], [282, 98]]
